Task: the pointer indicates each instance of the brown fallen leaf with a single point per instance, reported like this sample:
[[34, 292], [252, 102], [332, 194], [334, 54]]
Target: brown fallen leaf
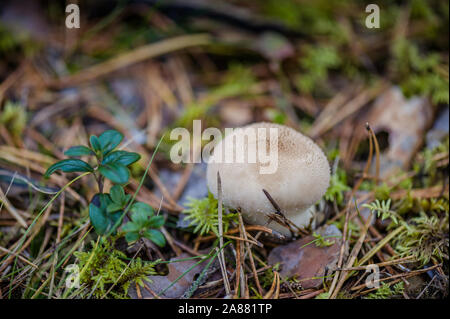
[[305, 261], [176, 269], [406, 121]]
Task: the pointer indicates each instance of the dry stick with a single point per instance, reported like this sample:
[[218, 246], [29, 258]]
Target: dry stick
[[388, 247], [60, 219], [426, 287], [170, 241], [236, 230], [341, 252], [377, 153], [280, 218], [186, 248], [244, 239], [151, 291], [238, 269], [221, 253], [138, 291], [353, 255], [409, 259], [347, 210], [18, 256], [250, 255], [244, 288], [380, 245], [275, 288], [403, 275]]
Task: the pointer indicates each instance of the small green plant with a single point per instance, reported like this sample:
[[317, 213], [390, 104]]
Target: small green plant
[[338, 186], [383, 210], [425, 237], [320, 240], [144, 224], [109, 273], [385, 291], [316, 63], [106, 211], [14, 118], [420, 74], [202, 213]]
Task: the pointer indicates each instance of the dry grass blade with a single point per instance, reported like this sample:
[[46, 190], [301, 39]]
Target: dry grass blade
[[137, 55], [10, 208], [352, 257], [220, 226], [274, 290], [250, 255], [380, 245]]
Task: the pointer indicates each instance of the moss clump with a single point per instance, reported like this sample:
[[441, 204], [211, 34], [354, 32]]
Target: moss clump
[[202, 213], [385, 291], [425, 237], [338, 187], [104, 267], [14, 118]]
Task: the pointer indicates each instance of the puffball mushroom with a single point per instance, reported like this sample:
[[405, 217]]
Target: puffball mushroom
[[301, 177]]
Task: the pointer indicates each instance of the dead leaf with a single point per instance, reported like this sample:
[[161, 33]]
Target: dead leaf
[[406, 121], [305, 261], [176, 269]]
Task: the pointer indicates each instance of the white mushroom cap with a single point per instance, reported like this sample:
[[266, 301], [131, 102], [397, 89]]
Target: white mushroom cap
[[300, 180]]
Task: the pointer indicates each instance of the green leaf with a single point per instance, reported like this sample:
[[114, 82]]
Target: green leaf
[[140, 218], [131, 227], [142, 207], [109, 140], [95, 143], [79, 150], [98, 219], [113, 207], [122, 157], [131, 237], [117, 194], [117, 173], [69, 165], [113, 221], [155, 236], [102, 221], [156, 222]]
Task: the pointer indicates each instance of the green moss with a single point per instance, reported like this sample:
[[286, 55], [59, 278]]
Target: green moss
[[425, 237], [12, 42], [420, 74], [385, 291], [427, 165], [382, 209], [313, 18], [338, 186], [104, 266], [202, 213], [316, 63], [14, 118]]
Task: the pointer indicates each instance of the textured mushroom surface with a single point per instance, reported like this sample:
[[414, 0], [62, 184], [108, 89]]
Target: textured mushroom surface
[[300, 180]]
